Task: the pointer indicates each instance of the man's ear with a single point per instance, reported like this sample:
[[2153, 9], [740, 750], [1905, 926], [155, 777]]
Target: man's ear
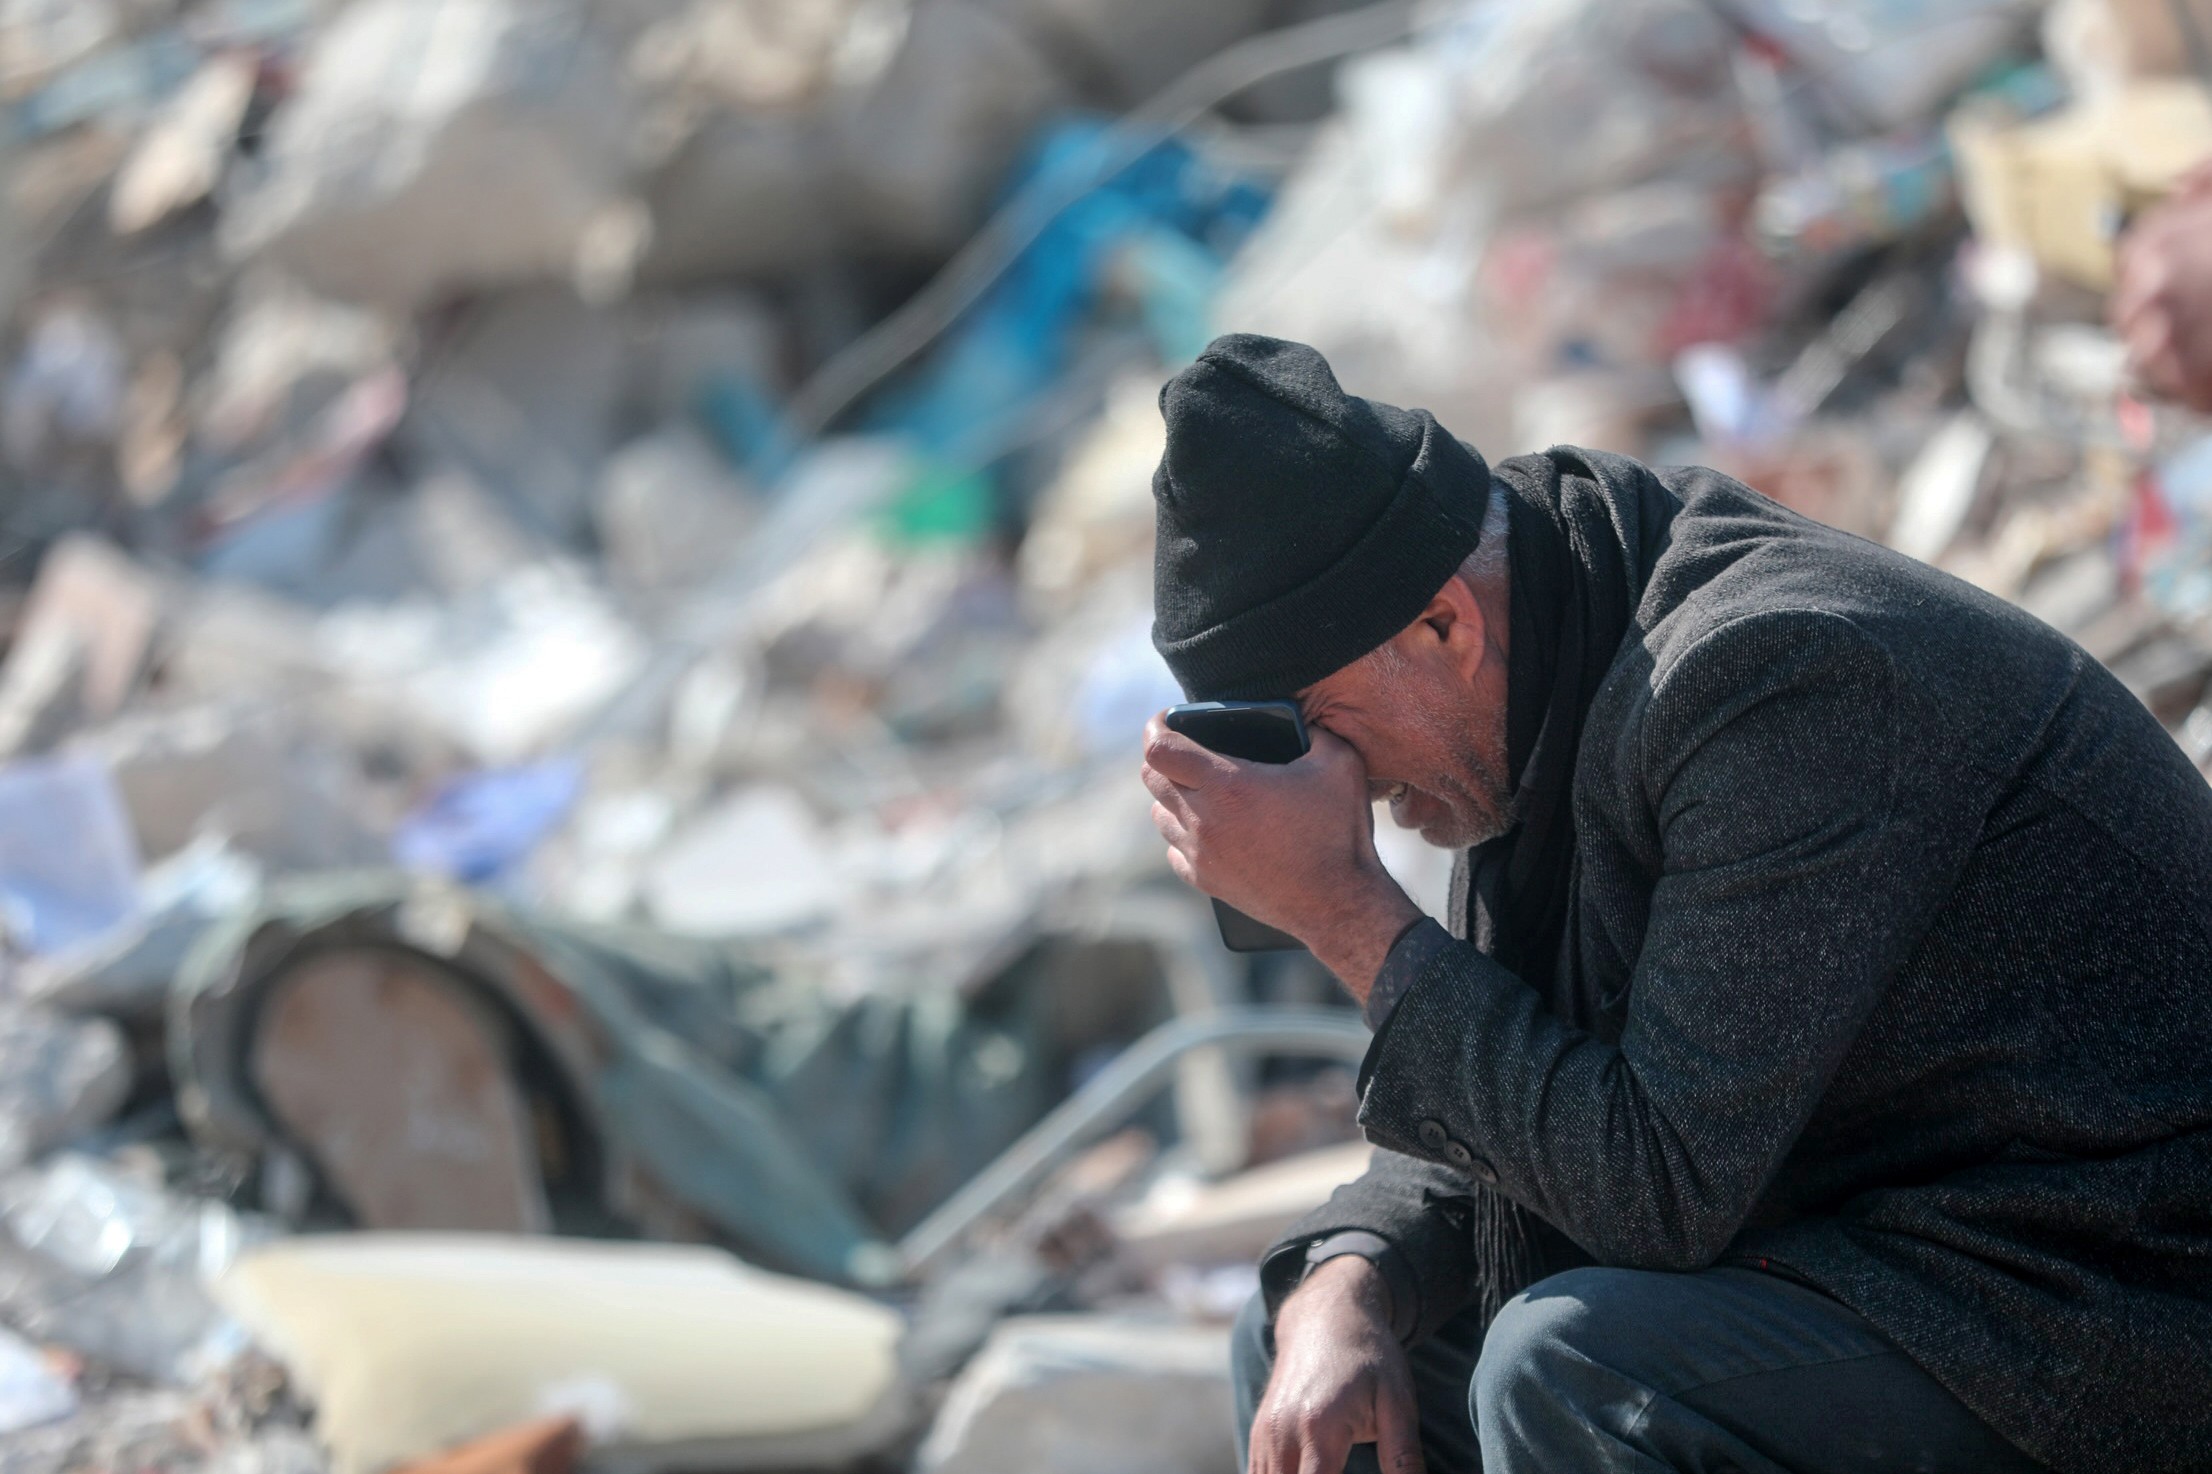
[[1454, 618]]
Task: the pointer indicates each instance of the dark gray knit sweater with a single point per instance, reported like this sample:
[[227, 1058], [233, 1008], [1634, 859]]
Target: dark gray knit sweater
[[1901, 907]]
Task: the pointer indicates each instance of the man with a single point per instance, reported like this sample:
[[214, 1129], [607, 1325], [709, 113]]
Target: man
[[1818, 1072], [2162, 306]]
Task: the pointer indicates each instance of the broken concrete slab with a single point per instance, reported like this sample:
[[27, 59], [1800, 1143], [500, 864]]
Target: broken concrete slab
[[1089, 1395], [525, 396], [673, 1356], [235, 770], [439, 145], [86, 637], [1183, 1221], [756, 862], [179, 159], [503, 674], [281, 353], [919, 160], [745, 196]]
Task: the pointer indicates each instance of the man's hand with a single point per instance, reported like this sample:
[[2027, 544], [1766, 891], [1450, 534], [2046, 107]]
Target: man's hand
[[1289, 844], [2162, 305], [1340, 1378]]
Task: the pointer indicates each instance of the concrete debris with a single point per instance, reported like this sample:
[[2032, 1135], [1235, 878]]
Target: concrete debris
[[920, 158], [382, 173], [666, 1354], [93, 614], [503, 674], [69, 869], [525, 399], [755, 864], [123, 972], [104, 1261], [669, 512], [180, 159], [63, 398], [240, 775], [149, 1430], [575, 606], [1084, 1394], [59, 1078], [280, 354], [1182, 1221], [31, 1390]]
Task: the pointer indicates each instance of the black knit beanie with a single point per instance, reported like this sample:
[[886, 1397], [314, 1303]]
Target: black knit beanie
[[1300, 527]]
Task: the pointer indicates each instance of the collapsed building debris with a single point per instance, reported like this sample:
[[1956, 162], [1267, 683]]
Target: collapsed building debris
[[1089, 1393], [575, 583]]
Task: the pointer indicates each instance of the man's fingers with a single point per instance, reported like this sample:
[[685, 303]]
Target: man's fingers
[[1164, 791], [1170, 826], [1324, 1450], [1397, 1432], [1275, 1443], [1180, 863], [1183, 761]]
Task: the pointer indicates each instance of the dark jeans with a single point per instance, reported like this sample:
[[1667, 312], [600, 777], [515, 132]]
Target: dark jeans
[[1726, 1371]]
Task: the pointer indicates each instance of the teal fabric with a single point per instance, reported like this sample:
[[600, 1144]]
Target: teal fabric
[[803, 1131]]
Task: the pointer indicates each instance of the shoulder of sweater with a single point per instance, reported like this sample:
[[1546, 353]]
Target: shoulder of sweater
[[1734, 555], [1757, 649]]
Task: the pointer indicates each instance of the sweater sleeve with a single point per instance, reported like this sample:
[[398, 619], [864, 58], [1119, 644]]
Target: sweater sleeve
[[1418, 1212], [1765, 763]]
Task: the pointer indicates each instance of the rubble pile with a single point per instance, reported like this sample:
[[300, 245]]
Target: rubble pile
[[576, 585]]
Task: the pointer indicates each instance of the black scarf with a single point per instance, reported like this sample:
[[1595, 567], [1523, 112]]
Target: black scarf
[[1584, 530]]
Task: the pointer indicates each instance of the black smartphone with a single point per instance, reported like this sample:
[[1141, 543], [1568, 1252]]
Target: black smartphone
[[1257, 732]]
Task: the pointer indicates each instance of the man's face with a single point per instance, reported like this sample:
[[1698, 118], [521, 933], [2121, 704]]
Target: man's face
[[1431, 735]]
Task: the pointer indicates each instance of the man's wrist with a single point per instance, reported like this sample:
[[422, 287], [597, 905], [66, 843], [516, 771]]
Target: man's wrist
[[1346, 1279], [1355, 942]]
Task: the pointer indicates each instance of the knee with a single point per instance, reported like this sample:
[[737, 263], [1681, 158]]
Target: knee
[[1538, 1351]]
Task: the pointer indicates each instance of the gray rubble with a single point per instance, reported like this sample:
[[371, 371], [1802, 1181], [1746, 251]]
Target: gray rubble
[[1085, 1394], [502, 160], [649, 506], [59, 1078]]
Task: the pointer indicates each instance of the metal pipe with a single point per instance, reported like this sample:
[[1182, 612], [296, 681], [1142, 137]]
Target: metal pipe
[[1116, 1091]]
